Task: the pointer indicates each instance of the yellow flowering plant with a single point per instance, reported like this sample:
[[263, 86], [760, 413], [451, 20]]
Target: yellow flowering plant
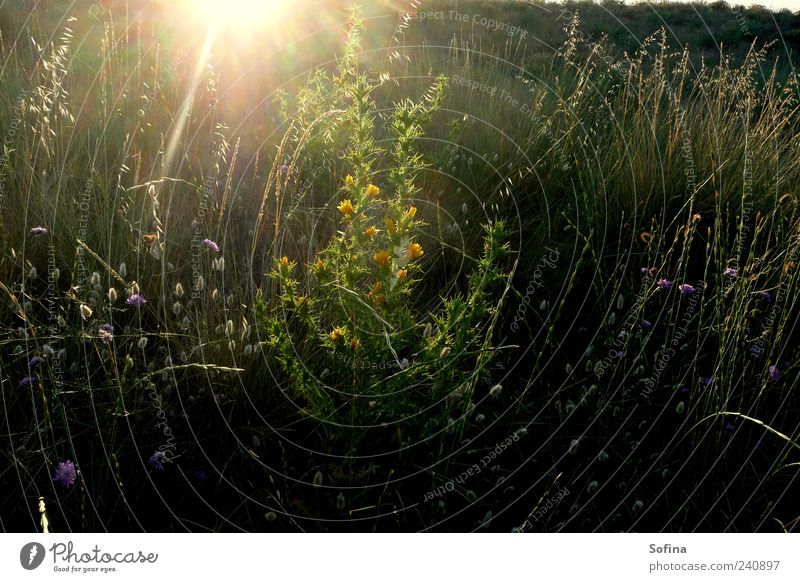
[[358, 328]]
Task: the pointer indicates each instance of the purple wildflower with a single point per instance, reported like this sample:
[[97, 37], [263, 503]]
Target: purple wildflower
[[644, 270], [28, 381], [106, 332], [686, 289], [620, 354], [35, 361], [39, 230], [683, 389], [284, 169], [730, 272], [755, 350], [66, 474], [663, 283], [136, 300], [774, 373], [157, 460], [766, 296], [707, 380], [211, 245]]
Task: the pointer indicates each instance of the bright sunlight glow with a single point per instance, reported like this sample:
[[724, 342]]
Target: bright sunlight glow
[[239, 13]]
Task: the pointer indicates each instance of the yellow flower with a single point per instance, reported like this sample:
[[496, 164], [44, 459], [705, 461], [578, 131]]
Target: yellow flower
[[349, 180], [284, 261], [337, 334], [371, 231], [402, 274], [390, 226], [301, 300], [320, 264], [346, 208], [377, 288], [373, 190], [415, 251], [412, 212], [383, 258], [355, 344]]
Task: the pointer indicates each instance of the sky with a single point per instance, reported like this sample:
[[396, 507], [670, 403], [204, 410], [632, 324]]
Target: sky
[[793, 5]]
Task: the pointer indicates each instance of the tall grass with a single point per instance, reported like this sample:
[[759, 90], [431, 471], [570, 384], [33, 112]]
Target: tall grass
[[603, 288]]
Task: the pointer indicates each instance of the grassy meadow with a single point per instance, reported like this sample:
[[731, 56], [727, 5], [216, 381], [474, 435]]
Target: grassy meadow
[[458, 265]]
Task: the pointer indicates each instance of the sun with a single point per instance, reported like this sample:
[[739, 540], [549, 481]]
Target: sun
[[239, 13]]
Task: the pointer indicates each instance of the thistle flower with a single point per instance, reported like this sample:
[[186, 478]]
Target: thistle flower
[[37, 230], [136, 300], [774, 373], [284, 169], [66, 474], [35, 361], [373, 190], [415, 251], [686, 289], [382, 258], [86, 311], [730, 272], [337, 334], [663, 283], [157, 460], [371, 232], [346, 208], [106, 332], [210, 244], [28, 381]]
